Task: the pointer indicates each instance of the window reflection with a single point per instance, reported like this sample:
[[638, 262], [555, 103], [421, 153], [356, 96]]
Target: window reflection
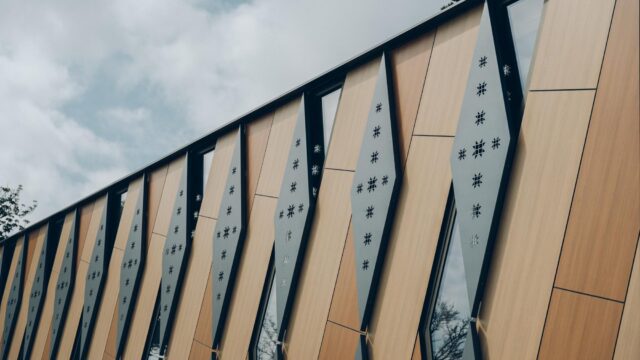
[[524, 17], [266, 347], [329, 110], [206, 167], [449, 321]]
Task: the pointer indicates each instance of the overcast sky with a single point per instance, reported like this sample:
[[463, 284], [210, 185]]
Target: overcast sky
[[93, 90]]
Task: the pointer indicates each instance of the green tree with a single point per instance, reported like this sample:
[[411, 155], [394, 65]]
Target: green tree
[[12, 211]]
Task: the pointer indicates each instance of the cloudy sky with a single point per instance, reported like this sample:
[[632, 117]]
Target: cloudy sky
[[93, 90]]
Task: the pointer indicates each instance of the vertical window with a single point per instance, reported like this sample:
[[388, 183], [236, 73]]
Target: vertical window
[[265, 338], [206, 167], [330, 103], [123, 199], [524, 19]]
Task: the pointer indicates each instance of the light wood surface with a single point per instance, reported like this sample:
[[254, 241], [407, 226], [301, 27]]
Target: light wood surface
[[169, 191], [580, 327], [36, 242], [628, 346], [257, 137], [571, 44], [598, 249], [351, 116], [344, 305], [338, 342], [535, 214], [249, 282], [94, 227], [199, 351], [85, 219], [156, 185], [110, 349], [417, 351], [193, 287], [204, 329], [411, 249], [149, 285], [217, 179], [447, 75], [126, 217], [40, 349], [10, 278], [320, 268], [277, 152], [409, 63]]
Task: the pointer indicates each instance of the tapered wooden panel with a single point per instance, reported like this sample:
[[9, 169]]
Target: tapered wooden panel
[[258, 134], [417, 351], [36, 243], [628, 346], [10, 283], [218, 175], [249, 282], [598, 249], [40, 349], [193, 288], [338, 342], [410, 63], [170, 188], [321, 265], [204, 329], [580, 327], [412, 245], [275, 158], [344, 305], [199, 351], [86, 213], [156, 186], [94, 227], [110, 348], [447, 75], [126, 217], [571, 44], [534, 217], [351, 116], [143, 314]]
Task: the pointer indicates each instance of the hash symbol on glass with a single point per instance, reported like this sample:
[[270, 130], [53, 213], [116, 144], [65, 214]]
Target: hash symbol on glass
[[365, 265], [378, 107], [482, 62], [367, 239], [462, 154], [376, 131], [480, 118], [481, 88], [477, 180], [495, 143], [374, 157], [478, 149], [372, 184], [475, 212], [369, 213]]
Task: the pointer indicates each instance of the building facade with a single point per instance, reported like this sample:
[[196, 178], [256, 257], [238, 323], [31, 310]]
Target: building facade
[[468, 189]]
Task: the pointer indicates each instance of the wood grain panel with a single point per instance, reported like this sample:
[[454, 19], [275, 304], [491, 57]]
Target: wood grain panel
[[417, 351], [218, 175], [249, 282], [154, 195], [320, 268], [12, 270], [193, 287], [257, 138], [410, 63], [628, 346], [580, 327], [36, 242], [204, 329], [109, 301], [110, 349], [277, 153], [199, 351], [598, 249], [126, 217], [43, 331], [533, 222], [149, 285], [409, 258], [569, 53], [92, 232], [169, 190], [344, 305], [351, 116], [338, 342], [447, 75], [85, 219]]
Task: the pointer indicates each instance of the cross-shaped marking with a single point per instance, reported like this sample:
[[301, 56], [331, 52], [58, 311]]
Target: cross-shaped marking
[[374, 157], [290, 211], [376, 131], [495, 143], [296, 162], [293, 186], [481, 88], [475, 212], [482, 62], [477, 180], [369, 212], [372, 184], [480, 117], [221, 276], [378, 107], [365, 265], [367, 239], [478, 148]]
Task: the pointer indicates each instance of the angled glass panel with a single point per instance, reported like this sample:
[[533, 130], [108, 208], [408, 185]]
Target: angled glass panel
[[330, 104], [266, 345], [524, 18], [207, 159]]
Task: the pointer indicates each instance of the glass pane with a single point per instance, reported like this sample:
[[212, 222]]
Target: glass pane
[[268, 339], [524, 16], [450, 319], [329, 109], [206, 167]]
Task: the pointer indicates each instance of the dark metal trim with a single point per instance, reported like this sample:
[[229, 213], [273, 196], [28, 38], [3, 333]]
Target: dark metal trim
[[15, 294]]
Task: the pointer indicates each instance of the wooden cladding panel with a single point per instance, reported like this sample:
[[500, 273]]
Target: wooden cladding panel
[[169, 191], [193, 287], [218, 175], [85, 219], [36, 242], [249, 282], [41, 343], [320, 268], [534, 217], [598, 249], [154, 194], [580, 327], [447, 75], [204, 329], [258, 133], [199, 351], [571, 44], [109, 302], [628, 346], [9, 283], [126, 218], [277, 152], [351, 116], [93, 229], [338, 342], [417, 350], [344, 305], [149, 285], [410, 63], [411, 249], [110, 348]]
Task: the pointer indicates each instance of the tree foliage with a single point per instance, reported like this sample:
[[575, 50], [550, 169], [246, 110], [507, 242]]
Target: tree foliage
[[449, 330], [12, 211]]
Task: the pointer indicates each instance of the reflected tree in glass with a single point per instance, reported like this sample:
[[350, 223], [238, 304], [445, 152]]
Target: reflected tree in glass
[[268, 339]]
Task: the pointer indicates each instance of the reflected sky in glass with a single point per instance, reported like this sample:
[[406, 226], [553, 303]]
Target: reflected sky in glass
[[524, 16], [450, 319], [267, 340], [206, 167], [329, 110]]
